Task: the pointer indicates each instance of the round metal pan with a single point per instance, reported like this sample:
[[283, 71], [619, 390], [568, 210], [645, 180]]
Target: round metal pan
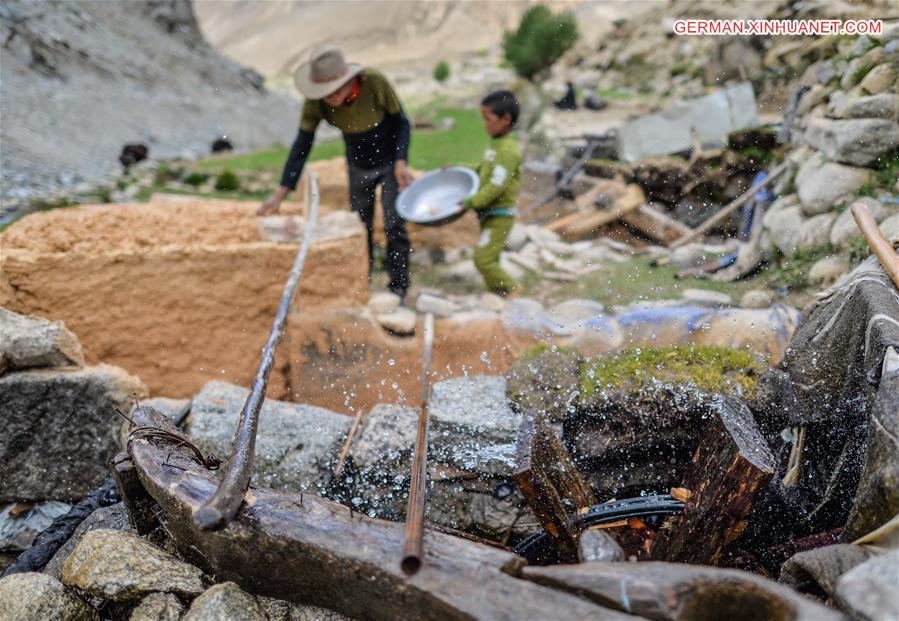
[[433, 199]]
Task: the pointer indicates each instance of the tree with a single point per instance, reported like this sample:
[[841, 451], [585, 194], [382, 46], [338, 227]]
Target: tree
[[539, 41], [441, 71]]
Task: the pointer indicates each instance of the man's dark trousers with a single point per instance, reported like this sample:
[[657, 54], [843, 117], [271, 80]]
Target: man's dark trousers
[[362, 200]]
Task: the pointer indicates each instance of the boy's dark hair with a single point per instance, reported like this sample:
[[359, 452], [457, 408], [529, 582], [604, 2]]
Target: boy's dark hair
[[502, 103]]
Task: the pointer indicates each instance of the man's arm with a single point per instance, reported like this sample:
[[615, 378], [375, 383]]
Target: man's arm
[[296, 159]]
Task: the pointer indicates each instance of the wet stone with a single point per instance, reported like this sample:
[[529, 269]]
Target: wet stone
[[121, 566], [158, 607], [279, 610], [38, 597], [225, 601], [114, 517], [21, 523], [868, 591], [597, 546], [296, 444]]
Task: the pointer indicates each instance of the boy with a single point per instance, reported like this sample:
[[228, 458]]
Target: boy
[[494, 203]]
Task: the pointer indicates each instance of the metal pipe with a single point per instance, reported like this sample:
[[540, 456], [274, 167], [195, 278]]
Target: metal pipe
[[415, 511], [223, 506], [878, 243]]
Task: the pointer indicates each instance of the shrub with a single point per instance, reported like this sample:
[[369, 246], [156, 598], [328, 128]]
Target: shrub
[[227, 182], [195, 178], [441, 71], [539, 41]]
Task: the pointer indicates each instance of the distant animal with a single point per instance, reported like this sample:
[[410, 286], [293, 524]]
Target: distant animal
[[222, 144], [133, 153]]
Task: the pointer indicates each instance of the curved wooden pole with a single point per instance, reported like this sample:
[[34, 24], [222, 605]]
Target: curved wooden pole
[[222, 507], [413, 547], [878, 243]]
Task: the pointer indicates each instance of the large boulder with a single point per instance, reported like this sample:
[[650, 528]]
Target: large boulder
[[296, 444], [33, 342], [783, 226], [815, 232], [845, 230], [823, 185], [121, 566], [859, 142], [881, 106], [868, 591], [225, 601], [113, 517], [38, 597], [60, 429]]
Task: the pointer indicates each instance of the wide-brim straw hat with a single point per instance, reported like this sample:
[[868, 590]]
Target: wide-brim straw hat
[[324, 72]]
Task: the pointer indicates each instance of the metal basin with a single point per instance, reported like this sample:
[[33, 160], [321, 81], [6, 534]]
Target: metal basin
[[434, 198]]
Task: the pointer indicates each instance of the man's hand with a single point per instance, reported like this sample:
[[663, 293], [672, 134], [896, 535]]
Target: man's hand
[[273, 203], [403, 175]]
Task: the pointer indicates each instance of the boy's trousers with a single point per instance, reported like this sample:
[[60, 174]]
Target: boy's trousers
[[494, 233]]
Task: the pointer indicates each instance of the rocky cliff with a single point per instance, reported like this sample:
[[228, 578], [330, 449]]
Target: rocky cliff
[[80, 79]]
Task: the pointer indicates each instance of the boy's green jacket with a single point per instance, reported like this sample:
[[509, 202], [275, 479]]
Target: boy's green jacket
[[500, 174]]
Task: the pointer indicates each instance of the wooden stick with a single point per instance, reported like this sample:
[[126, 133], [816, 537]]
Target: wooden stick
[[735, 204], [349, 442], [415, 511], [878, 243], [223, 506]]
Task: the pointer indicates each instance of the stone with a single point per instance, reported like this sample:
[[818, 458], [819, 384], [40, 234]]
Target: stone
[[279, 610], [705, 297], [121, 566], [600, 334], [492, 302], [512, 269], [476, 422], [465, 271], [158, 607], [401, 321], [60, 429], [859, 142], [823, 185], [881, 106], [595, 545], [827, 270], [540, 235], [296, 444], [437, 306], [545, 380], [225, 601], [817, 94], [518, 237], [757, 298], [33, 342], [20, 524], [38, 597], [889, 228], [459, 253], [815, 232], [567, 317], [879, 79], [868, 591], [383, 302], [114, 517], [845, 230], [783, 226]]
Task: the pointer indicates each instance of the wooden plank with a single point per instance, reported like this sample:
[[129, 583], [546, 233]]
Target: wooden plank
[[656, 225], [309, 550], [876, 241], [731, 469], [550, 482], [632, 198]]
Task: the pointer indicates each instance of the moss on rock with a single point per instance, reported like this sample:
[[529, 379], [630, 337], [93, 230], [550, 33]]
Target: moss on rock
[[709, 368]]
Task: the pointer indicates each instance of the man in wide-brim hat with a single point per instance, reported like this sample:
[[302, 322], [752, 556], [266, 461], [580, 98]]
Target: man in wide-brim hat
[[362, 104]]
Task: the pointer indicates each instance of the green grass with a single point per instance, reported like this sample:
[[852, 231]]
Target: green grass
[[463, 144], [635, 280], [792, 272]]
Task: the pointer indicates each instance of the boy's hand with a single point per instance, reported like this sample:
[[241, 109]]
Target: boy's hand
[[403, 175]]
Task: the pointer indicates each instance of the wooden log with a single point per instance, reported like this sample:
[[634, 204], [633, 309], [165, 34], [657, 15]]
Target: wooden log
[[672, 592], [140, 506], [877, 242], [632, 198], [309, 550], [656, 225], [550, 482], [731, 468]]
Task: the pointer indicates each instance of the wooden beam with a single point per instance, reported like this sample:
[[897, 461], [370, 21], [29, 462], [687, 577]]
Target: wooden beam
[[550, 482], [878, 243], [655, 224], [576, 228], [731, 469]]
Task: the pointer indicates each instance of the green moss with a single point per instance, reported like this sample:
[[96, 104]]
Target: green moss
[[861, 72], [710, 368], [792, 272], [536, 350]]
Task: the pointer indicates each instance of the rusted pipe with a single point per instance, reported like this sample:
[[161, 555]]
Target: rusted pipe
[[223, 506], [415, 511], [878, 243]]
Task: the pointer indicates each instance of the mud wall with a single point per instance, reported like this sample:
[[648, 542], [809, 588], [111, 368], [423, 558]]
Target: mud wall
[[147, 288]]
